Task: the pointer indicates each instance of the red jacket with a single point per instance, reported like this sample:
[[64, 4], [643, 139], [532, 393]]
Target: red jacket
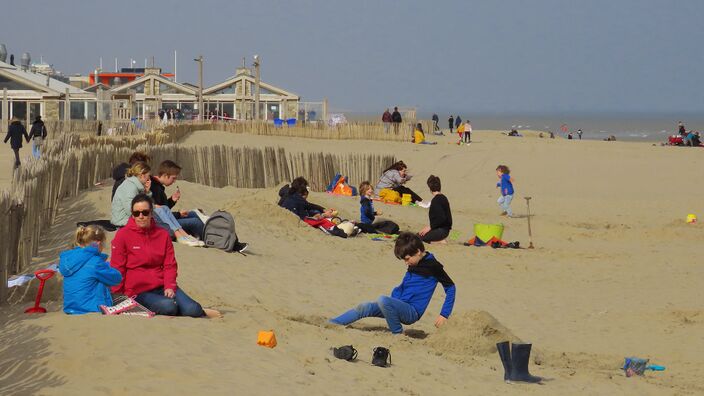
[[144, 257]]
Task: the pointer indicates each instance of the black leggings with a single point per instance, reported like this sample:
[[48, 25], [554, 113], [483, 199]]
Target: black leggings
[[405, 190], [436, 234], [467, 137]]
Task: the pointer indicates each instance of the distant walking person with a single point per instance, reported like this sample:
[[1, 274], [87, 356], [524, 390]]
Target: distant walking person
[[386, 119], [396, 119], [451, 123], [467, 132], [681, 129], [37, 134], [14, 135], [458, 121], [436, 128], [579, 134]]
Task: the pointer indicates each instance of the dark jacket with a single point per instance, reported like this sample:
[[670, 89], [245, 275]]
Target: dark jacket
[[419, 284], [367, 214], [396, 116], [159, 194], [435, 118], [14, 135], [38, 130], [386, 117], [302, 208], [451, 122], [439, 213], [118, 174], [458, 121]]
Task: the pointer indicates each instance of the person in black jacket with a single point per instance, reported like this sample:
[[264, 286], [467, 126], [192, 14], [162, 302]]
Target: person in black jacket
[[167, 175], [436, 128], [439, 214], [37, 134], [296, 201], [14, 135], [119, 172], [396, 119], [451, 123]]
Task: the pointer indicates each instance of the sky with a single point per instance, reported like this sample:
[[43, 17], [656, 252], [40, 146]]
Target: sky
[[483, 57]]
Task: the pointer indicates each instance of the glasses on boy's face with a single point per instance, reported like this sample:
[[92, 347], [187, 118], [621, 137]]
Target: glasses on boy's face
[[145, 213]]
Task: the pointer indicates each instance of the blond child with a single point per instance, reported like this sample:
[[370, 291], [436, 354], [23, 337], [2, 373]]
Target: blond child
[[87, 274]]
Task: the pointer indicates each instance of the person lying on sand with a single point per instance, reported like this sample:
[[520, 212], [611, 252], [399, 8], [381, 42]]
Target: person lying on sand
[[143, 254], [439, 215], [408, 300], [297, 202]]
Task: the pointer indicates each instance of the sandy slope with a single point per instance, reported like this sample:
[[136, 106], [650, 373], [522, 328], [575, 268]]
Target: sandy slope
[[615, 273]]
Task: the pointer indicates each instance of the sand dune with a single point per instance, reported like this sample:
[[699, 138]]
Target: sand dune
[[615, 273]]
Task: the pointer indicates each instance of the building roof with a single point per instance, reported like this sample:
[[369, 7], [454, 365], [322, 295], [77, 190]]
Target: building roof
[[185, 89], [245, 77], [38, 81]]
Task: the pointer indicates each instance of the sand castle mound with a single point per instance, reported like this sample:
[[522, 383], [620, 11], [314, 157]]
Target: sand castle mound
[[470, 334]]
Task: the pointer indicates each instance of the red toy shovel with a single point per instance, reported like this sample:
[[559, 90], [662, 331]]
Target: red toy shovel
[[42, 275]]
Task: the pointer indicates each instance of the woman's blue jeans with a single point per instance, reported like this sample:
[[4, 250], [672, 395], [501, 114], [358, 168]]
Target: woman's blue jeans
[[180, 305], [396, 312]]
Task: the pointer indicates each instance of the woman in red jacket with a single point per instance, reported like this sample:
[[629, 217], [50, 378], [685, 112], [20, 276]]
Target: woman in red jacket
[[144, 255]]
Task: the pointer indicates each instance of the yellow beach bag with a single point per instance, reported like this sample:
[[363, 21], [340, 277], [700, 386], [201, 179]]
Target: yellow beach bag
[[389, 195], [487, 231]]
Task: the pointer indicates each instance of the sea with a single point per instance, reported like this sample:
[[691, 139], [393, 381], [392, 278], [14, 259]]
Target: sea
[[634, 127]]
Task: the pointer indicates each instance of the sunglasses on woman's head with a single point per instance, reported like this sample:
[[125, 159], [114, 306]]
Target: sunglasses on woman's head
[[145, 213]]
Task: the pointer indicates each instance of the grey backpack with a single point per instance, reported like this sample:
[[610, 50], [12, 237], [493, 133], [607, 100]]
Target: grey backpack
[[219, 231]]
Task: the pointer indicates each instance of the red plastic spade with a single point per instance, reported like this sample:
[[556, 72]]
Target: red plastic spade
[[42, 275]]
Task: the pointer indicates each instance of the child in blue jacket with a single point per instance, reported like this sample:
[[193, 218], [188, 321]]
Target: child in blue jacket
[[506, 185], [408, 300], [87, 274]]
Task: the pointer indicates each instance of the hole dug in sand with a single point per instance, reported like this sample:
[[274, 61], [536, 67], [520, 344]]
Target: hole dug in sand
[[473, 333]]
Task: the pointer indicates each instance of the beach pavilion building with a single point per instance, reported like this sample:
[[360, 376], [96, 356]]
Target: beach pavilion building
[[236, 97], [143, 97], [26, 95]]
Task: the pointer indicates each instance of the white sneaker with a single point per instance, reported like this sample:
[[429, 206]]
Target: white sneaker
[[424, 204], [188, 241]]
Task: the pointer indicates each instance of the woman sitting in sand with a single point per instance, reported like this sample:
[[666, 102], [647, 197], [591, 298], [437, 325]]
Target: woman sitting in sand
[[139, 181], [419, 136], [314, 215], [143, 253], [394, 178]]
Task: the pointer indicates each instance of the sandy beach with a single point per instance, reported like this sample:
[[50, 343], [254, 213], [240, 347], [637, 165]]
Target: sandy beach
[[615, 273]]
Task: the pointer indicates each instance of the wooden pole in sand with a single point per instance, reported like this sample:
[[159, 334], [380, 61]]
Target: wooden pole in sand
[[530, 234]]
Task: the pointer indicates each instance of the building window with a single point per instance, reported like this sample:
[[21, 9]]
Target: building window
[[19, 109]]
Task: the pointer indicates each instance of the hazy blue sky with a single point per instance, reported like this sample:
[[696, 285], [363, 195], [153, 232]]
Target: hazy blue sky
[[471, 56]]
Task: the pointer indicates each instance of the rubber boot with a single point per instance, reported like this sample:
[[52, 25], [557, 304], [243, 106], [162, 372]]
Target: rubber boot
[[505, 354], [520, 357]]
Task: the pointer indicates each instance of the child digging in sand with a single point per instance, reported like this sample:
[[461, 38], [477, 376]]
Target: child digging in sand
[[506, 185], [439, 215], [408, 300], [87, 274]]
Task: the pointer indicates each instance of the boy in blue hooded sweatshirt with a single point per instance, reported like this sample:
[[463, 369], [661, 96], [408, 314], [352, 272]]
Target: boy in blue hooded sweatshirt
[[87, 274], [408, 300]]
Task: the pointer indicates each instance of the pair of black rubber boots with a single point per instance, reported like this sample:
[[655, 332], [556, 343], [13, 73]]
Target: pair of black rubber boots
[[515, 359]]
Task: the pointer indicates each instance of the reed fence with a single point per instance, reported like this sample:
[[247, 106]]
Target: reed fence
[[72, 163]]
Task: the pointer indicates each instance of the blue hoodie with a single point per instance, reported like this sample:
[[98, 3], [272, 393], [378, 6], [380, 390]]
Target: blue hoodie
[[87, 276], [418, 286]]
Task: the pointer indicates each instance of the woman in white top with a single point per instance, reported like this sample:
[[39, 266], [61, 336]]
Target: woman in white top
[[467, 136]]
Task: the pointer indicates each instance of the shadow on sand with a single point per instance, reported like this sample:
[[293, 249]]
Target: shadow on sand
[[21, 352]]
